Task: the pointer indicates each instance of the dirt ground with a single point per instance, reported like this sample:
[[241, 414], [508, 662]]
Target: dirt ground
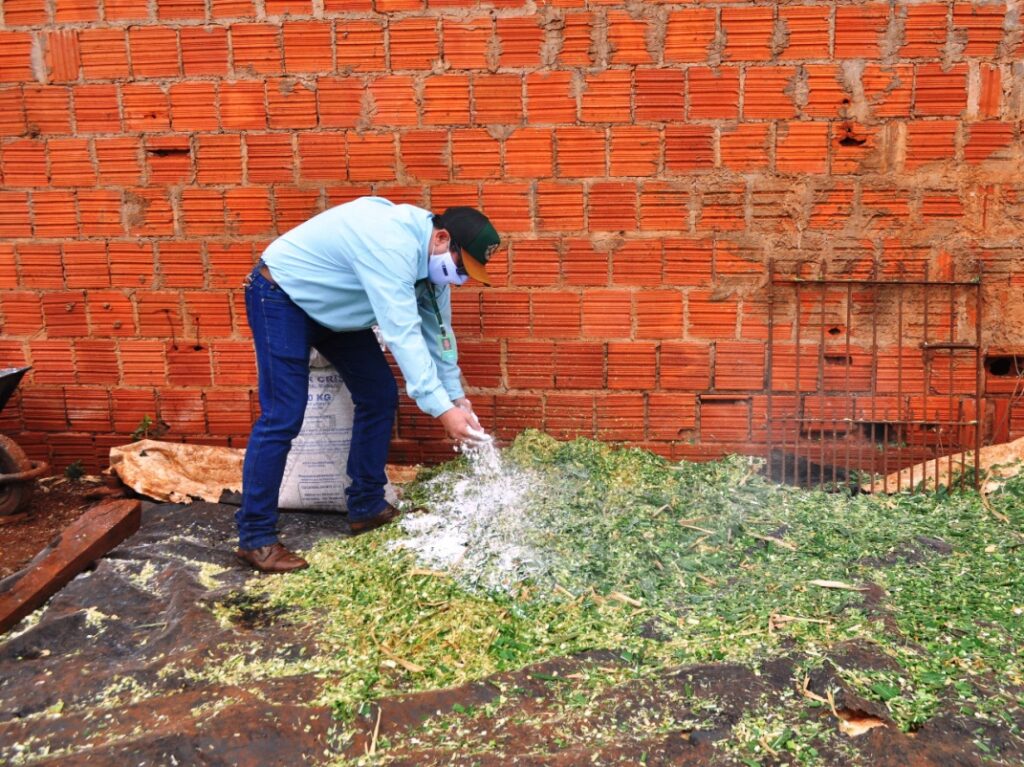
[[56, 502], [134, 670]]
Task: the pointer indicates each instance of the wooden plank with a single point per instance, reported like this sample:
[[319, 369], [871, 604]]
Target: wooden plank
[[85, 540]]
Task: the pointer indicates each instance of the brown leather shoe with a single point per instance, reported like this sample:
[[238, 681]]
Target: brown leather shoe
[[388, 514], [274, 558]]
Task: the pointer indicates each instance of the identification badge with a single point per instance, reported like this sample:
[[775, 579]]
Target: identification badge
[[447, 348]]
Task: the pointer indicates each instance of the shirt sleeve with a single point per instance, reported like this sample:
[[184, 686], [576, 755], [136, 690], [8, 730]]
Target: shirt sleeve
[[449, 372], [390, 285]]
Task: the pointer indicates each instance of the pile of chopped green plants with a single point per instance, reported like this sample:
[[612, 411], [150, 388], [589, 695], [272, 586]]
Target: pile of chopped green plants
[[677, 563]]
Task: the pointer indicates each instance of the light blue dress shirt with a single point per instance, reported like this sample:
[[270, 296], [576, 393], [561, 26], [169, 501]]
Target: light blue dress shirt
[[365, 263]]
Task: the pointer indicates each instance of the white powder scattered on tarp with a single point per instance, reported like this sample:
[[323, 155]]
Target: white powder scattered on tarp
[[477, 529]]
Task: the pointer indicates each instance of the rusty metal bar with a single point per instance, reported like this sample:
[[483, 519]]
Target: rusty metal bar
[[860, 442], [885, 454], [798, 405], [849, 394], [978, 302], [958, 345], [770, 382], [960, 441], [926, 361], [899, 370], [821, 383], [952, 395], [874, 367]]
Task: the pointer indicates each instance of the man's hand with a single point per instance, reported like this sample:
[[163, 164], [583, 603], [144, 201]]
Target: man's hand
[[459, 424], [464, 404]]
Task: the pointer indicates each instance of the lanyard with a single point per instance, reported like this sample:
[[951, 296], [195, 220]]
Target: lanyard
[[448, 353], [437, 309]]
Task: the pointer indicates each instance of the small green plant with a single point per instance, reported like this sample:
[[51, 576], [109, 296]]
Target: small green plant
[[75, 470], [143, 429]]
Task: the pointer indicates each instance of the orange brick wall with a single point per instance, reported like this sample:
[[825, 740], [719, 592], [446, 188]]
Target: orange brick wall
[[643, 160]]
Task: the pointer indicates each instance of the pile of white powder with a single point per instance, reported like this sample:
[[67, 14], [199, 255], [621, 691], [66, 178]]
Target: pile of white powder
[[477, 529]]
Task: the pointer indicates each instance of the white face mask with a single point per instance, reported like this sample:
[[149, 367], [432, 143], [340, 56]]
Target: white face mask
[[442, 270]]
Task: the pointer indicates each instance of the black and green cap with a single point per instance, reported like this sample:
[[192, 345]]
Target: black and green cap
[[474, 235]]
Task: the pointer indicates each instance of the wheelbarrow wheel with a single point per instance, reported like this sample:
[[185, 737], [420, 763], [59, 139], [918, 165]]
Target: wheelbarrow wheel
[[14, 496]]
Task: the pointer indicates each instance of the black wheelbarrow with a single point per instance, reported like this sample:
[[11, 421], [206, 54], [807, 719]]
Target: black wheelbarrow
[[17, 472]]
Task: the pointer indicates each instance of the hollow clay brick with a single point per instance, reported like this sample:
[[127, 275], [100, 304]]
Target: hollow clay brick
[[579, 365], [568, 416], [307, 47], [504, 312], [476, 154], [104, 53], [85, 264], [670, 416], [632, 365], [688, 35], [359, 45], [414, 42], [765, 92], [664, 206], [15, 56], [549, 98], [607, 97], [982, 25], [54, 214], [99, 212], [520, 40], [607, 313], [233, 363], [497, 99], [531, 364], [555, 315], [446, 100], [64, 314], [659, 314], [47, 108], [748, 33], [559, 206], [583, 264], [23, 163], [688, 148], [859, 30], [25, 12], [394, 104], [805, 32], [294, 205], [466, 43], [96, 362], [659, 95], [40, 265], [612, 206], [145, 108], [620, 417], [924, 30], [744, 147], [940, 92], [508, 207]]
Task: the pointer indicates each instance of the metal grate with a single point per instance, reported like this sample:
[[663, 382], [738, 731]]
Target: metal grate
[[874, 383]]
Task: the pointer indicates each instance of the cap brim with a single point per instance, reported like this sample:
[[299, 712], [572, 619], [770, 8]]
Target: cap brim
[[475, 269]]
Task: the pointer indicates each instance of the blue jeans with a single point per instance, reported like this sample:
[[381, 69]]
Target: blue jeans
[[283, 335]]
